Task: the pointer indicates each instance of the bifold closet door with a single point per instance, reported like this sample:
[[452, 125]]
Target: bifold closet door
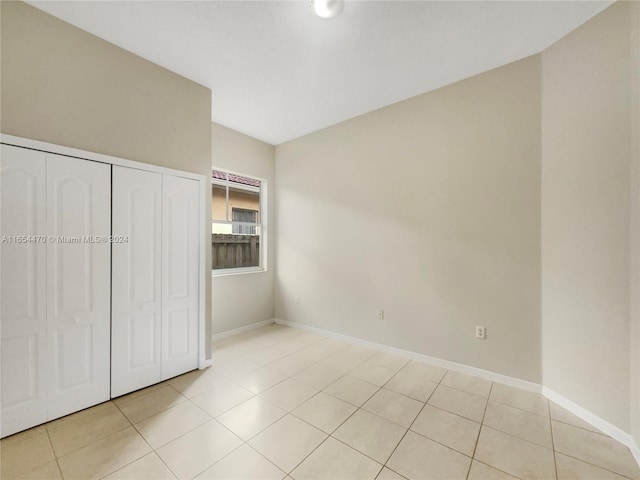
[[155, 286], [23, 289], [78, 283], [55, 286], [180, 285], [136, 340]]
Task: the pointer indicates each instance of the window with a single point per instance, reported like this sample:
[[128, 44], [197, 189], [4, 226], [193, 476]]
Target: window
[[237, 224], [246, 216]]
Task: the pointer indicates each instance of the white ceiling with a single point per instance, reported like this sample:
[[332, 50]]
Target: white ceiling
[[278, 72]]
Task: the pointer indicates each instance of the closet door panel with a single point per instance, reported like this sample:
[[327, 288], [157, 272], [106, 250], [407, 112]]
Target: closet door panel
[[136, 296], [78, 283], [23, 289], [180, 242]]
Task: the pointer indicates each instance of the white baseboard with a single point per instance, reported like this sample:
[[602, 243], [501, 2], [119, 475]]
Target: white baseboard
[[635, 451], [591, 418], [584, 414], [246, 328], [438, 362], [205, 364]]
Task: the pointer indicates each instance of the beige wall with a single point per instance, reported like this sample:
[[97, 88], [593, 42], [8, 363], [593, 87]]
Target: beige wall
[[586, 215], [64, 86], [430, 209], [635, 222], [242, 299]]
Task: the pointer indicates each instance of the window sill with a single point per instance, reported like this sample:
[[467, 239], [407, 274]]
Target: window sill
[[224, 272]]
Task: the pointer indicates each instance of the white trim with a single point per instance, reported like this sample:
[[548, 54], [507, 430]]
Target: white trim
[[264, 223], [236, 331], [635, 451], [203, 362], [96, 157], [592, 419], [223, 272], [236, 222], [449, 365], [238, 186]]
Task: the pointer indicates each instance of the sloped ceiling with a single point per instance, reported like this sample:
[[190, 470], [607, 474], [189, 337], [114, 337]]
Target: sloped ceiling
[[278, 72]]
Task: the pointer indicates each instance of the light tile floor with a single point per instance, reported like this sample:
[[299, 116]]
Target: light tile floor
[[284, 403]]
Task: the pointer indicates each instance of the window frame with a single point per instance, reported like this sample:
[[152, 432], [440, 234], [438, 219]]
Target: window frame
[[262, 225]]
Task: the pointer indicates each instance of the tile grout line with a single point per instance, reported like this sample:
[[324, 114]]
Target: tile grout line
[[434, 441], [519, 408], [278, 419], [466, 391], [322, 389], [243, 442], [388, 420], [517, 437], [330, 435], [322, 442], [153, 450], [212, 418], [361, 453], [355, 378], [553, 445], [408, 429], [553, 449], [495, 468], [220, 459], [55, 457], [583, 429], [92, 442], [391, 470], [597, 466], [358, 407], [486, 407], [255, 450], [307, 456], [275, 384], [186, 399], [279, 358], [286, 412]]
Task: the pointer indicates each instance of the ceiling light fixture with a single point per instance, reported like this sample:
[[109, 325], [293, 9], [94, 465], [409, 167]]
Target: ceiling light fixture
[[327, 8]]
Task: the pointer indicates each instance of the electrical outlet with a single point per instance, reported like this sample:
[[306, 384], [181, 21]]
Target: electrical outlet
[[480, 332], [296, 300], [380, 314]]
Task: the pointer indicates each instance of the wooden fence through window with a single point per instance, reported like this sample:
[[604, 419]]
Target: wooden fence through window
[[233, 251]]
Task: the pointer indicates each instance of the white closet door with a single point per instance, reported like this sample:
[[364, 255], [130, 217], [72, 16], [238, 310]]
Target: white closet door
[[136, 324], [23, 280], [180, 242], [78, 283]]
